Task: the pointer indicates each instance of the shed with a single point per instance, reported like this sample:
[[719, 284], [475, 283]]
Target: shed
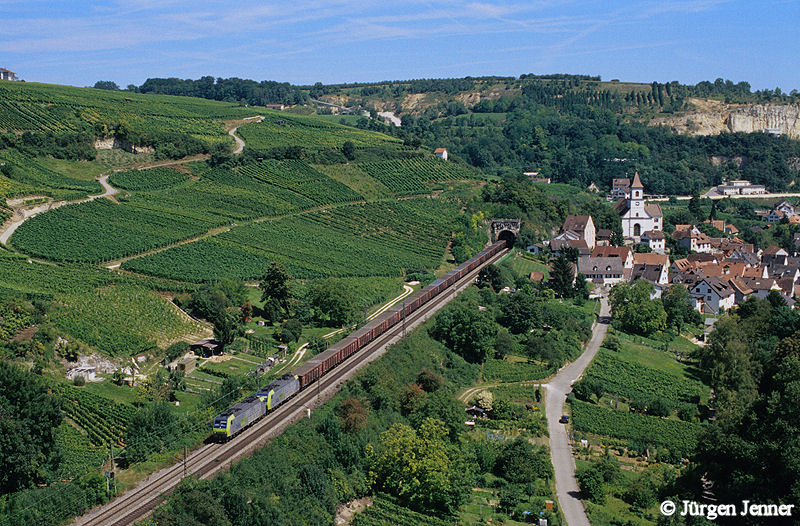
[[206, 347]]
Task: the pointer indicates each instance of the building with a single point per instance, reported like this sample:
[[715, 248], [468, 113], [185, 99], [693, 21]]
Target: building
[[603, 271], [658, 275], [279, 107], [740, 187], [712, 295], [583, 227], [185, 364], [638, 217], [656, 240], [206, 347], [786, 207], [441, 153], [87, 371], [603, 237], [774, 255], [775, 216], [620, 189], [623, 253], [7, 74], [692, 239], [593, 188]]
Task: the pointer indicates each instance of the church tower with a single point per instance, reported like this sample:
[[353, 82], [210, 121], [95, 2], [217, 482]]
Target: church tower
[[636, 201]]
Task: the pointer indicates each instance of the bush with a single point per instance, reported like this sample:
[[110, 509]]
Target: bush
[[79, 381]]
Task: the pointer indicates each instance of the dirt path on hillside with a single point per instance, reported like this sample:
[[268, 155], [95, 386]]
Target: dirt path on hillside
[[21, 212], [234, 125]]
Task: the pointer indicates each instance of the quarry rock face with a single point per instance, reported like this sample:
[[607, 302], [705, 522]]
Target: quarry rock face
[[760, 117], [710, 117]]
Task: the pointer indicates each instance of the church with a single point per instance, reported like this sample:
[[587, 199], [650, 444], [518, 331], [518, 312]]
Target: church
[[638, 217]]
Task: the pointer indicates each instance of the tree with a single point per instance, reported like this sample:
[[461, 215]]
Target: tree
[[678, 308], [694, 206], [333, 302], [106, 84], [227, 327], [294, 327], [504, 343], [275, 286], [29, 416], [592, 485], [562, 277], [520, 312], [353, 414], [634, 311], [349, 150], [522, 462], [465, 329], [418, 467], [151, 429], [316, 344], [485, 399], [429, 380], [491, 276]]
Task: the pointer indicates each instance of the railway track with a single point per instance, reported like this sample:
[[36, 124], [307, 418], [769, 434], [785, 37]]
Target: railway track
[[209, 459]]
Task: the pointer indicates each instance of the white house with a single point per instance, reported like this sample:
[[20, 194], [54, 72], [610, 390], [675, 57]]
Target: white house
[[655, 240], [638, 217], [583, 226], [693, 239], [441, 153], [711, 294]]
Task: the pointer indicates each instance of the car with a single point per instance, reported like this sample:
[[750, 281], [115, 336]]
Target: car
[[564, 419]]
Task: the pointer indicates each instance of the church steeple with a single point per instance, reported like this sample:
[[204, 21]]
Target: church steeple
[[637, 188], [637, 183]]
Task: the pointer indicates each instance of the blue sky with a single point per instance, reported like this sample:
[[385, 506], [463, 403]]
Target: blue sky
[[304, 41]]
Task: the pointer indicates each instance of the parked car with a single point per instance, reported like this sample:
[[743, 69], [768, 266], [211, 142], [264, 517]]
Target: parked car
[[564, 419]]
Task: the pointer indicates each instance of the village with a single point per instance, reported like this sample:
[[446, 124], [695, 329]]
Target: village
[[719, 272]]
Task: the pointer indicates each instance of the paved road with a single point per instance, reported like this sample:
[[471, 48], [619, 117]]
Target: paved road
[[560, 449]]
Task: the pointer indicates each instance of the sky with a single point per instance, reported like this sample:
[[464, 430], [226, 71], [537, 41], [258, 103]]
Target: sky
[[334, 41]]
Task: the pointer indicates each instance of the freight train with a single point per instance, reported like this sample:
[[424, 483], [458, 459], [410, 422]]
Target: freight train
[[236, 418]]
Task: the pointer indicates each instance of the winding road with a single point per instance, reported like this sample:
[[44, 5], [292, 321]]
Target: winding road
[[23, 213], [232, 132], [560, 448]]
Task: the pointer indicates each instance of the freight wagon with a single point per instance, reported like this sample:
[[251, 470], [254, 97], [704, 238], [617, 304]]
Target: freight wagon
[[236, 418]]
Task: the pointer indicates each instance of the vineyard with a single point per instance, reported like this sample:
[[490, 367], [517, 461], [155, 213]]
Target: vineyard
[[29, 176], [299, 177], [78, 455], [280, 129], [384, 512], [675, 435], [504, 371], [174, 209], [632, 380], [123, 320], [101, 230], [417, 175], [147, 180], [41, 107], [103, 420], [372, 239]]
